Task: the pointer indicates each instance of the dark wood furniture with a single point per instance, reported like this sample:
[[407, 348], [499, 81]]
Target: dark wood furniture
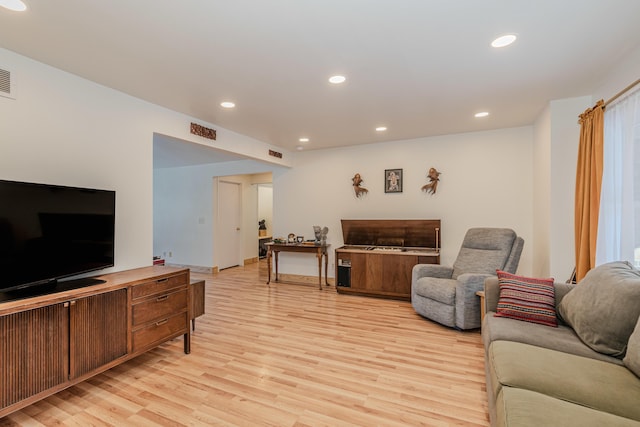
[[197, 301], [51, 342], [379, 255], [319, 250]]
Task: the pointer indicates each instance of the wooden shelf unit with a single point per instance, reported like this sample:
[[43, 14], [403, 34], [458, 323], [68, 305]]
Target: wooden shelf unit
[[51, 342]]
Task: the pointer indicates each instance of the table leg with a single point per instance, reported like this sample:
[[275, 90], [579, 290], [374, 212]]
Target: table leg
[[319, 256], [276, 261], [326, 268], [268, 265]]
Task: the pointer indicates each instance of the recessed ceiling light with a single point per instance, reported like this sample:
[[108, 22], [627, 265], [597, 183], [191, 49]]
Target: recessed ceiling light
[[16, 5], [227, 104], [482, 114], [337, 79], [304, 140], [503, 41], [381, 128]]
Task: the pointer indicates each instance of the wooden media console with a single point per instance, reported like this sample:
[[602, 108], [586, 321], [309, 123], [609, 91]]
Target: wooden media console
[[51, 342]]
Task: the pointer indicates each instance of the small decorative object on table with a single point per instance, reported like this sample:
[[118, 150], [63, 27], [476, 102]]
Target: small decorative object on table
[[262, 227], [320, 234], [291, 238], [300, 239]]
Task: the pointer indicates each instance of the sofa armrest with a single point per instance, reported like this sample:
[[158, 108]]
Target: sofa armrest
[[431, 270], [562, 289], [491, 293]]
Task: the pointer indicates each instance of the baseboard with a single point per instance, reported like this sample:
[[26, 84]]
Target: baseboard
[[300, 279], [196, 268]]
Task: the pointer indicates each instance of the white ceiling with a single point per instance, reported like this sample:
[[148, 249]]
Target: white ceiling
[[419, 67]]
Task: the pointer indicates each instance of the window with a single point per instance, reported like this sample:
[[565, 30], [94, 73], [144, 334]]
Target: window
[[619, 220]]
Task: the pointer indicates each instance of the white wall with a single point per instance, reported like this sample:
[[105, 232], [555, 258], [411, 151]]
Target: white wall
[[265, 205], [185, 212], [565, 138], [62, 129], [486, 181], [620, 76], [542, 194]]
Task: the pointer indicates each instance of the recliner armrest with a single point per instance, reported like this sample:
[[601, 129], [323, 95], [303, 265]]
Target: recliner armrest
[[467, 302], [470, 283], [431, 270]]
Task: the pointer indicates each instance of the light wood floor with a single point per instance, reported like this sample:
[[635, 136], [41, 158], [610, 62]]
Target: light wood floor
[[286, 355]]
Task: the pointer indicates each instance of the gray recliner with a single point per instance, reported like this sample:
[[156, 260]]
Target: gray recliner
[[447, 295]]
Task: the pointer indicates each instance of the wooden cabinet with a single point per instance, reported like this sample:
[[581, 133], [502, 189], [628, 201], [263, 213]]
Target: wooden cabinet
[[383, 274], [51, 342], [98, 331], [159, 311], [34, 359]]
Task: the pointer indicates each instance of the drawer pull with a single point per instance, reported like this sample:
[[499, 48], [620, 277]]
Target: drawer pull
[[162, 280], [162, 322], [162, 298]]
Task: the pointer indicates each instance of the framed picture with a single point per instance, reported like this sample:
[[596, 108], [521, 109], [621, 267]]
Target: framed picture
[[393, 181]]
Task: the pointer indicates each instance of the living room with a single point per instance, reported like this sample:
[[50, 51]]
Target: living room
[[60, 128]]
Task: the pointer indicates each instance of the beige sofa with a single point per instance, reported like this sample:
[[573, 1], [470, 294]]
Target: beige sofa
[[584, 372]]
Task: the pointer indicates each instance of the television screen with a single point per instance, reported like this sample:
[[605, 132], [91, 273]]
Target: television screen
[[49, 232]]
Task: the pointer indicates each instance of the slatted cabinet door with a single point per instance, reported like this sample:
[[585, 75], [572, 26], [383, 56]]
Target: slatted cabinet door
[[34, 347], [98, 331]]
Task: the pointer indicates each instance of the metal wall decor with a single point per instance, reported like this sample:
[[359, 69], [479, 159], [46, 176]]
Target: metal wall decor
[[393, 181], [434, 177], [357, 180]]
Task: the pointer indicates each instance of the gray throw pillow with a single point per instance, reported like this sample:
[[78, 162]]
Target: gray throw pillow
[[604, 307], [632, 359]]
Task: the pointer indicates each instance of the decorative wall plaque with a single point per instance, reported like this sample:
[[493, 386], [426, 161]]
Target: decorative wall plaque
[[202, 131]]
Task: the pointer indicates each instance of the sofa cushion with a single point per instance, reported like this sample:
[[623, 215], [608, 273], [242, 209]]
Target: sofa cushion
[[516, 407], [632, 359], [562, 338], [604, 307], [526, 298], [592, 383]]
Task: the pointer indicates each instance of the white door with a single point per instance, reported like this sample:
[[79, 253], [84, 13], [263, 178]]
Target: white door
[[230, 218]]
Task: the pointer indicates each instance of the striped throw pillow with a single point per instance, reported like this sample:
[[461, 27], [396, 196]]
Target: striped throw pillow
[[526, 298]]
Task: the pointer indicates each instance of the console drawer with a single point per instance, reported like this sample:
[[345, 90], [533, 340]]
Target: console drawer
[[159, 307], [159, 286], [160, 331]]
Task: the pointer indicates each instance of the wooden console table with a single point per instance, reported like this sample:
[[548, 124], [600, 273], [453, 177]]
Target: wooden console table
[[319, 250]]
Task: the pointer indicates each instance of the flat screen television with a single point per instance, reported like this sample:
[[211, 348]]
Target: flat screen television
[[51, 232]]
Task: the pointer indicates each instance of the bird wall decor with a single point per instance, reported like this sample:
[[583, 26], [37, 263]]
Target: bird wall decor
[[434, 178]]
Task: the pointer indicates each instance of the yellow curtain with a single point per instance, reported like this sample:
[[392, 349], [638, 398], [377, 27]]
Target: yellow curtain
[[588, 185]]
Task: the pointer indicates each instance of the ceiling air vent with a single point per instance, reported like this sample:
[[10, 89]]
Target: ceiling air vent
[[5, 84]]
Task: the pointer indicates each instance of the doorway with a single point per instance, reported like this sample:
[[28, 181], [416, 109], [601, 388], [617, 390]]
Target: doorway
[[230, 220]]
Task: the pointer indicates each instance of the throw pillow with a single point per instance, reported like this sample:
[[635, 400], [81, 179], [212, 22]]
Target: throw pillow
[[604, 307], [526, 298], [632, 359]]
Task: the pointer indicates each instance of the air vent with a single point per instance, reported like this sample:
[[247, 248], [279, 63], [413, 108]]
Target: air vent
[[5, 84]]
